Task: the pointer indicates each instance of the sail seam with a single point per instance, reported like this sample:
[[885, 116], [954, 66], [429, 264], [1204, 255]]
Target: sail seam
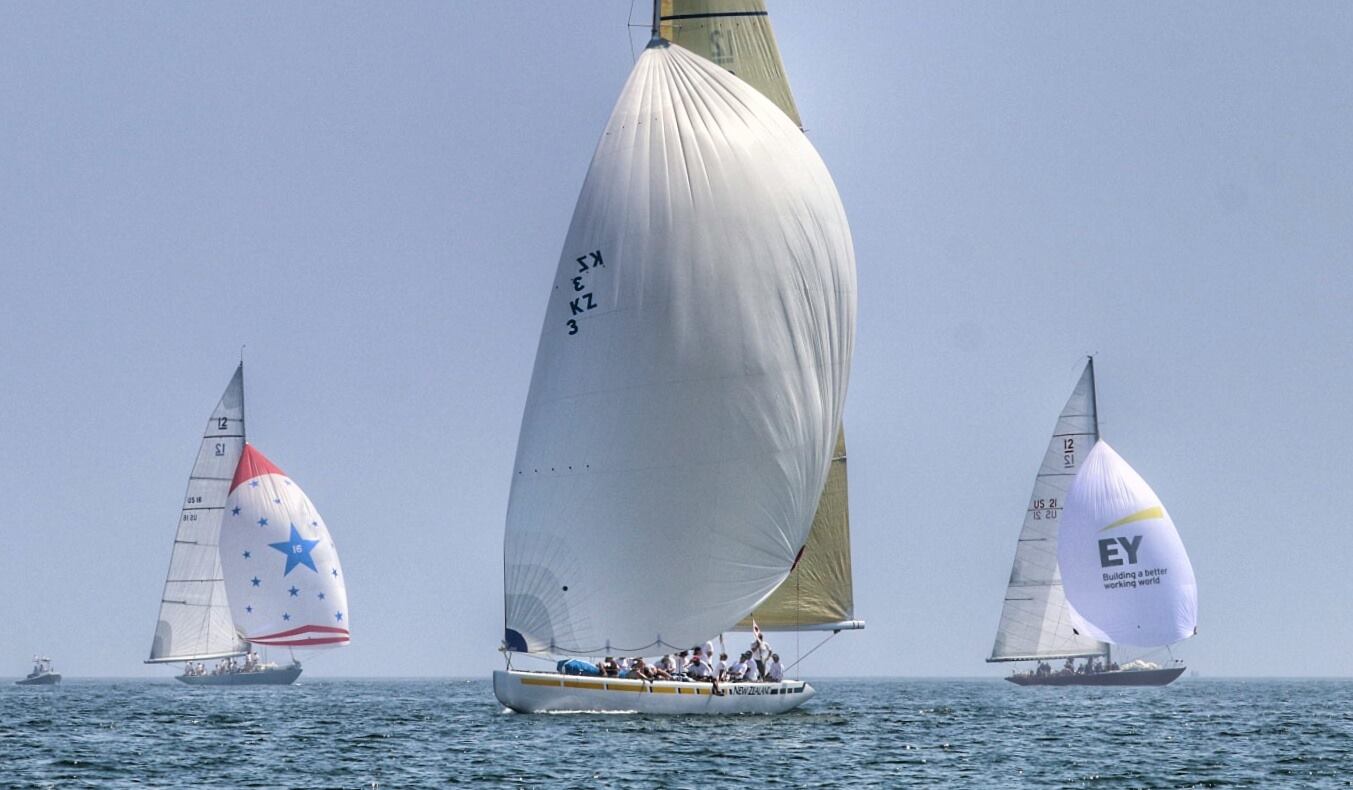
[[713, 15]]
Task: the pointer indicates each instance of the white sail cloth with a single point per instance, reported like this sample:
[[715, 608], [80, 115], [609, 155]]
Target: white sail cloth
[[282, 572], [1126, 574], [690, 375], [1036, 622], [194, 622]]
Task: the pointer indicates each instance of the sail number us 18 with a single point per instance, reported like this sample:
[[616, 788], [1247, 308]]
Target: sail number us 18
[[579, 295]]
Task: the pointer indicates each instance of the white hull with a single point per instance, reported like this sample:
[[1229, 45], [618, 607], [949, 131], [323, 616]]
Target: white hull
[[541, 692]]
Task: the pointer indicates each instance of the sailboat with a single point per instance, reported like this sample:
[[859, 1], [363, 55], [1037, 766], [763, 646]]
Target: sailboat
[[1039, 622], [252, 564], [818, 594], [686, 400]]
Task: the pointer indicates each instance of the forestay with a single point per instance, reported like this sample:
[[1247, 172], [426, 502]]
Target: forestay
[[1127, 576], [1036, 621], [282, 571], [195, 620], [690, 374]]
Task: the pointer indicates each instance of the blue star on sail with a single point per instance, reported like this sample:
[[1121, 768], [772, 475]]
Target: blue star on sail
[[297, 550]]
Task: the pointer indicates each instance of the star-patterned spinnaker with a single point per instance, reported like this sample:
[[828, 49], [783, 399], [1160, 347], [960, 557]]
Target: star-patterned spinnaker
[[283, 577]]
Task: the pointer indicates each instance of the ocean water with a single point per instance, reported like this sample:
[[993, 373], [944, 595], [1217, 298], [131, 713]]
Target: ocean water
[[855, 733]]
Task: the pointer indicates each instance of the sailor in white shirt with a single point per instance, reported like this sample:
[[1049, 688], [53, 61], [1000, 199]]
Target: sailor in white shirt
[[760, 653], [721, 668], [697, 669], [668, 664], [775, 672], [738, 669], [707, 654], [753, 672]]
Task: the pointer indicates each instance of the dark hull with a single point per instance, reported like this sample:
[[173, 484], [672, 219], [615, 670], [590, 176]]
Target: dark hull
[[45, 679], [283, 676], [1122, 677]]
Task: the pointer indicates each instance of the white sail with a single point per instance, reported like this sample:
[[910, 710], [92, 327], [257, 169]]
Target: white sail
[[690, 375], [1036, 622], [819, 592], [281, 566], [1127, 576], [195, 622]]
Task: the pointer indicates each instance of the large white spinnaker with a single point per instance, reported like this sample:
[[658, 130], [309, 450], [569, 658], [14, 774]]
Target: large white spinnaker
[[1127, 576], [819, 592], [690, 375], [1036, 623], [286, 584], [195, 621]]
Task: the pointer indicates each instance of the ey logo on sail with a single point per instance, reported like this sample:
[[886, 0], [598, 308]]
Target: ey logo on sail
[[1109, 554], [1108, 550]]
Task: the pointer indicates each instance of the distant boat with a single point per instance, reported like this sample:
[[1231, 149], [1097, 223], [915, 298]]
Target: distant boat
[[685, 407], [245, 529], [1135, 591], [43, 674]]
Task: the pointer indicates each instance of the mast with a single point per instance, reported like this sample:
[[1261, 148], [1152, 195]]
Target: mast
[[1094, 392], [1094, 408], [657, 19]]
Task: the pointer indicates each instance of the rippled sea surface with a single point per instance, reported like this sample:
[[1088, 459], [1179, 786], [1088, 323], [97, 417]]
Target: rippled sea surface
[[855, 733]]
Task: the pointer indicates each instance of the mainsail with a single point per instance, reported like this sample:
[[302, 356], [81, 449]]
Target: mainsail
[[1036, 622], [690, 376], [281, 567], [819, 592], [735, 34], [195, 621], [1127, 576]]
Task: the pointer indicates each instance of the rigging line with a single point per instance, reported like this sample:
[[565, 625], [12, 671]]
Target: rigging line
[[829, 638], [629, 23]]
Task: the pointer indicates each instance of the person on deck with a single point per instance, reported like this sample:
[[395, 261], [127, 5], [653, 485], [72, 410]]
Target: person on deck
[[775, 672], [760, 651], [738, 669], [700, 671], [667, 664], [657, 673], [609, 668], [721, 668], [753, 673]]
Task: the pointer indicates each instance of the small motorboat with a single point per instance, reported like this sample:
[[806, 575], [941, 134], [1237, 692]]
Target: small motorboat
[[43, 674]]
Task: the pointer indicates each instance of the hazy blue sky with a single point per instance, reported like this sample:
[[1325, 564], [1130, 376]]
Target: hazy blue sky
[[372, 197]]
